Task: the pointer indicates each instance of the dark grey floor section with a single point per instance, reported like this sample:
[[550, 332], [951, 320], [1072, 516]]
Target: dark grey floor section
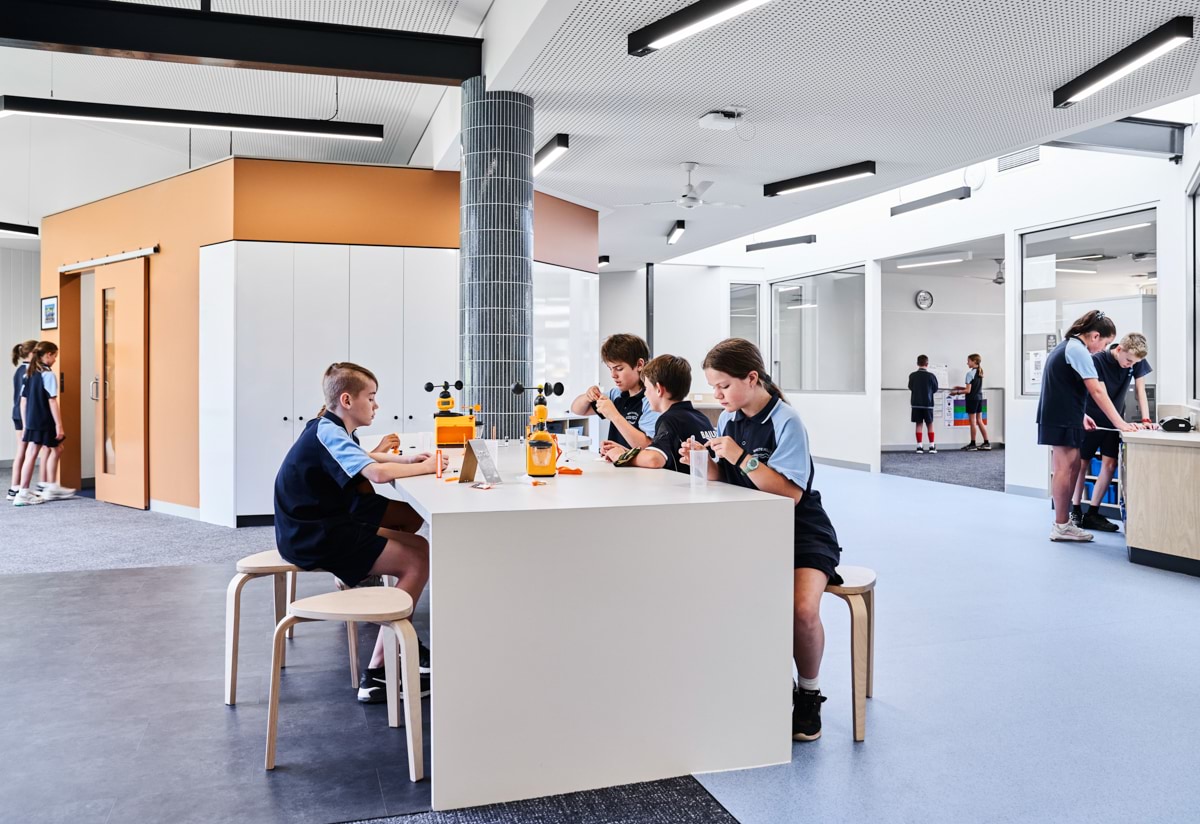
[[981, 470]]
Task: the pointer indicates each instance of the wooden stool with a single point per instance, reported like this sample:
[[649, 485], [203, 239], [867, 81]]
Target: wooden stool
[[390, 608], [260, 565], [858, 591]]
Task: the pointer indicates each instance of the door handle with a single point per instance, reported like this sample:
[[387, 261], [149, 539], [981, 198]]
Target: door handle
[[106, 389], [94, 389]]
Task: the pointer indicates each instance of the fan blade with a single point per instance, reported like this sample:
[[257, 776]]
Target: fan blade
[[702, 187], [722, 205], [651, 203]]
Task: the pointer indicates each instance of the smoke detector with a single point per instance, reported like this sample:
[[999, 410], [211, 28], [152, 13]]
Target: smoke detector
[[721, 120]]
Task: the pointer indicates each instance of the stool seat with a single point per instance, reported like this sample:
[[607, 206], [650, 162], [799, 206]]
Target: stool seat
[[370, 604], [265, 563], [855, 581]]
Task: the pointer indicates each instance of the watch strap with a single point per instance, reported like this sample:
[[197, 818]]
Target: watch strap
[[738, 463]]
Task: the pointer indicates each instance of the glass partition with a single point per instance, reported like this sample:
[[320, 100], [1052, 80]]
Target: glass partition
[[818, 336], [743, 311]]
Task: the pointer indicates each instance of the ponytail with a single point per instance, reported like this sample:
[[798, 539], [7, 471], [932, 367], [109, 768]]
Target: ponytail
[[738, 357], [17, 354], [321, 411], [978, 364], [21, 350], [1093, 321], [40, 351]]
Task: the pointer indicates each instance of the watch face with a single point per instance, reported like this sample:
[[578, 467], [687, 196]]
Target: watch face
[[924, 299]]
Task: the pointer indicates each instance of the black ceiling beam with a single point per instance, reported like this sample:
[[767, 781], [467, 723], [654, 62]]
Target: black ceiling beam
[[137, 31]]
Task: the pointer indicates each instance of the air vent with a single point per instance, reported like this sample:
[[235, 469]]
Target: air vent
[[1017, 159]]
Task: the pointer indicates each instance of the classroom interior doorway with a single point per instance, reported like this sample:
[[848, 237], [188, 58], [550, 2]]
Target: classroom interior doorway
[[945, 303]]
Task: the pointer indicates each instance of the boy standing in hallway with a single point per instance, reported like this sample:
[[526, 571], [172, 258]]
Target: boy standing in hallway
[[923, 385]]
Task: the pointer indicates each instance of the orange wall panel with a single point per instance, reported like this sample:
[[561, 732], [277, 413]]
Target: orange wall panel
[[565, 233]]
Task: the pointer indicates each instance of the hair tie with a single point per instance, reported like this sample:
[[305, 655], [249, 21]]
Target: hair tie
[[1099, 315]]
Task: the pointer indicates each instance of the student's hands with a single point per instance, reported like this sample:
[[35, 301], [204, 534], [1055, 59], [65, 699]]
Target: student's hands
[[430, 464], [593, 393], [388, 443], [412, 459], [1088, 423], [685, 451], [606, 407], [1126, 426], [59, 433], [611, 450], [727, 448]]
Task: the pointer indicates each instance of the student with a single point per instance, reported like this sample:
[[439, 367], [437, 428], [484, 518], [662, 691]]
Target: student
[[923, 385], [1068, 378], [668, 379], [1116, 366], [20, 358], [973, 388], [625, 407], [43, 427], [762, 444], [328, 517]]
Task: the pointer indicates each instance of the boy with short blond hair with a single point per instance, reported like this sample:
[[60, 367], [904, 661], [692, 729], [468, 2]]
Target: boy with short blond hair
[[631, 420], [667, 380]]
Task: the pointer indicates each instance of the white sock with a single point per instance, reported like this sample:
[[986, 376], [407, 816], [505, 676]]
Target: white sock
[[810, 684]]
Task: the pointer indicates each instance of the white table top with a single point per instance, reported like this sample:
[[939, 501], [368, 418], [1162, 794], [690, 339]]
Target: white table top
[[601, 485], [1159, 438]]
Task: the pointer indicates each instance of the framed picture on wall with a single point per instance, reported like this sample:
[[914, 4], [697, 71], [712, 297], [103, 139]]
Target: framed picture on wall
[[50, 312]]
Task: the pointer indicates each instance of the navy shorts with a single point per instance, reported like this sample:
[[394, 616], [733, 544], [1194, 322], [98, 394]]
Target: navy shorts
[[1109, 444], [358, 546], [41, 437], [922, 415], [1071, 436], [17, 424], [973, 405], [817, 560]]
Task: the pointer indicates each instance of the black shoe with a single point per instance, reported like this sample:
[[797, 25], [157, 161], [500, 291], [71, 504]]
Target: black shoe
[[986, 446], [971, 447], [1076, 516], [372, 686], [806, 715], [423, 658], [1094, 520]]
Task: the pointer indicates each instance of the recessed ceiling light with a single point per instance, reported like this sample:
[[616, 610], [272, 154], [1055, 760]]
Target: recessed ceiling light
[[687, 21], [934, 260], [221, 121], [805, 306], [1080, 257], [818, 179], [1155, 44], [787, 288], [1109, 231], [676, 232], [1077, 271], [603, 261], [555, 148], [18, 229]]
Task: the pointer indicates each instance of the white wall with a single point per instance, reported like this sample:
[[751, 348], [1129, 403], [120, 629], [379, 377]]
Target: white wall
[[566, 331], [1064, 187], [19, 309], [622, 303]]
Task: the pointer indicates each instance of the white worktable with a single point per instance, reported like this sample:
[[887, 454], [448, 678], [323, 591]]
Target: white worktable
[[604, 629]]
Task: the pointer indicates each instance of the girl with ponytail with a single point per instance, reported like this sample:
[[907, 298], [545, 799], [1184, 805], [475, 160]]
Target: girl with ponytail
[[20, 359], [1069, 377], [762, 444]]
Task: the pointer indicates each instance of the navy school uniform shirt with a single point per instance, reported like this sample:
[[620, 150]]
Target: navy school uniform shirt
[[1116, 380], [674, 427], [923, 385], [18, 390], [315, 492], [777, 437], [1064, 394], [633, 408], [974, 384], [39, 389]]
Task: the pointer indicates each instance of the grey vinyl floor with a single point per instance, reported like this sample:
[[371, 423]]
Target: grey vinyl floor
[[1017, 680]]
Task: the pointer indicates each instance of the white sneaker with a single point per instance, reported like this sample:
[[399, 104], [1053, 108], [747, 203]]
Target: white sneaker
[[920, 450], [1069, 532], [933, 450], [27, 498], [57, 493]]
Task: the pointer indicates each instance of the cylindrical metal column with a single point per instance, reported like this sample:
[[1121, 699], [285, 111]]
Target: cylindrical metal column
[[496, 254]]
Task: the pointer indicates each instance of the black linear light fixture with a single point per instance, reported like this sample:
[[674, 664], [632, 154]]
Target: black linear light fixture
[[775, 244], [1154, 45], [687, 21], [603, 262], [18, 229], [676, 232], [961, 193], [818, 179], [146, 115], [555, 148]]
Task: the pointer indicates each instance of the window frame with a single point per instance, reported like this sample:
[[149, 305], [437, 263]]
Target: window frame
[[772, 331]]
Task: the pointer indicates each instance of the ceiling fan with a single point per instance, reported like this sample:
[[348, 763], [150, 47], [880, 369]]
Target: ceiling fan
[[692, 196], [997, 278]]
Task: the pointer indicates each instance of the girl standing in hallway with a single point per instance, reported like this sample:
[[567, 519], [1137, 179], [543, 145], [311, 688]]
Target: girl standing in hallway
[[20, 358], [1068, 379], [973, 388], [43, 427]]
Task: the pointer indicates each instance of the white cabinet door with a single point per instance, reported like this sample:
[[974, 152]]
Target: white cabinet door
[[263, 385], [376, 331], [430, 330], [321, 316]]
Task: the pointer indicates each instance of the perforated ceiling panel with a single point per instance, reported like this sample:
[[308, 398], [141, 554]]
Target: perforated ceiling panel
[[921, 88]]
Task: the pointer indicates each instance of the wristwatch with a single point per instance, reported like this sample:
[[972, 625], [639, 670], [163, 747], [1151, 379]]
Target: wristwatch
[[752, 463]]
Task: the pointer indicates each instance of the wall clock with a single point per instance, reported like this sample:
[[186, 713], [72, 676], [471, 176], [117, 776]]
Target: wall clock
[[924, 299]]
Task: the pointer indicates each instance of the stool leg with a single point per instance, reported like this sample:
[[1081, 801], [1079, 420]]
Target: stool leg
[[869, 598], [233, 620], [291, 586], [273, 701], [281, 604], [352, 644], [411, 676], [858, 662]]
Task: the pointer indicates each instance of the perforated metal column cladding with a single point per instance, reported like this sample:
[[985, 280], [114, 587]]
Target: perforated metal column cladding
[[496, 254]]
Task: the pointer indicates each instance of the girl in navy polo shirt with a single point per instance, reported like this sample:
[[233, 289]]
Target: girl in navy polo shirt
[[762, 444], [20, 358], [1068, 379], [43, 427]]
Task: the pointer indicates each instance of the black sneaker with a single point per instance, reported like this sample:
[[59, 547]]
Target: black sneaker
[[423, 657], [1076, 516], [372, 686], [806, 715], [12, 493], [920, 450], [1094, 520], [971, 447], [986, 446]]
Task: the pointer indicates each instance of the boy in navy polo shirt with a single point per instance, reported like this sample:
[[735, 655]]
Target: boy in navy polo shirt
[[1116, 366], [923, 385], [328, 517], [668, 379], [630, 418]]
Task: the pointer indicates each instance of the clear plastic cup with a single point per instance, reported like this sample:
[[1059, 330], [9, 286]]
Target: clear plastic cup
[[699, 463]]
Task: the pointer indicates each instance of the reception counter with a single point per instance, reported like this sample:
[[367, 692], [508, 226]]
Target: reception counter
[[1161, 480]]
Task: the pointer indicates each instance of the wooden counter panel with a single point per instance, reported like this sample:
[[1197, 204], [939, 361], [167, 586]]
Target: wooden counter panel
[[1162, 499]]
